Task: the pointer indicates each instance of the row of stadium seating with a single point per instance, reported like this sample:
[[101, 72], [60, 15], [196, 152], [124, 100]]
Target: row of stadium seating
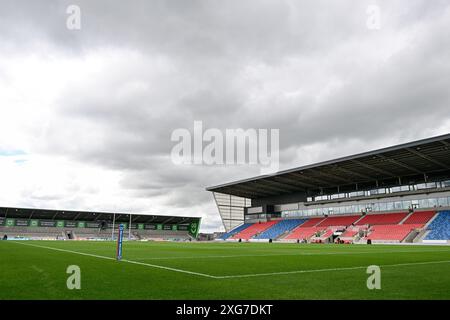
[[420, 217], [395, 232], [303, 233], [382, 218], [234, 231], [254, 229], [338, 221], [280, 228], [53, 233], [312, 222], [439, 227], [381, 226]]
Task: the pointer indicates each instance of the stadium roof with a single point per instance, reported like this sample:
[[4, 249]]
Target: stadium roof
[[28, 213], [415, 161]]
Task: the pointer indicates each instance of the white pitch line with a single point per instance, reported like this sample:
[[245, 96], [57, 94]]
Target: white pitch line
[[123, 260], [63, 250], [326, 270], [287, 254], [171, 269]]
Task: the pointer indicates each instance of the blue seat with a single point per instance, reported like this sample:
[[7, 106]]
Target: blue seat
[[279, 228], [440, 227], [234, 231]]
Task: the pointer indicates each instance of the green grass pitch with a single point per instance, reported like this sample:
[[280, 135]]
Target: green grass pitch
[[156, 270]]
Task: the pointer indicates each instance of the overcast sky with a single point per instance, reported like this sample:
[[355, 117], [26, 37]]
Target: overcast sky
[[86, 115]]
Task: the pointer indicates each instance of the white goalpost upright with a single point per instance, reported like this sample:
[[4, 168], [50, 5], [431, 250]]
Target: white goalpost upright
[[114, 221], [129, 229]]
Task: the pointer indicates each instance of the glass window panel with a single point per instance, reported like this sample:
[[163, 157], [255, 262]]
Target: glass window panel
[[389, 206], [431, 185], [423, 203], [443, 202], [406, 204], [432, 202]]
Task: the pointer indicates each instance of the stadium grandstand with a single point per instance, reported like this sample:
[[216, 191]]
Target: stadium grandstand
[[43, 224], [398, 194]]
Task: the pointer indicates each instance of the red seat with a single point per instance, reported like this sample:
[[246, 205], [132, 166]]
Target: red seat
[[391, 232], [421, 217], [312, 222], [338, 221], [382, 218], [302, 232]]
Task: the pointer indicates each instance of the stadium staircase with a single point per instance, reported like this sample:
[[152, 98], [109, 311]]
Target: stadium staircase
[[425, 231], [302, 233], [350, 234], [360, 218], [338, 221], [406, 218], [324, 236], [312, 222], [421, 235]]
